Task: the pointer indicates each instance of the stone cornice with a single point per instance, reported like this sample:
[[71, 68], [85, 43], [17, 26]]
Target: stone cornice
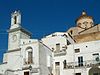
[[18, 49], [21, 29]]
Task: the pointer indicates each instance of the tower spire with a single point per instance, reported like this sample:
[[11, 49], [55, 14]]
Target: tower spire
[[15, 19]]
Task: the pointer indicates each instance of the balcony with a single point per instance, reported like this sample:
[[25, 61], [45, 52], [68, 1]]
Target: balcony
[[85, 64], [60, 53]]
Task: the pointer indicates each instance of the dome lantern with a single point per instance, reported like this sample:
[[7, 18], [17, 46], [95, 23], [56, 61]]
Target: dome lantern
[[84, 21]]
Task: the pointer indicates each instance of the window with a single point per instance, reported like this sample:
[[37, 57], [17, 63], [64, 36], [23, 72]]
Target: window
[[71, 32], [85, 22], [91, 24], [29, 55], [80, 61], [77, 50], [64, 64], [58, 47], [53, 35], [15, 19], [57, 63], [79, 24], [77, 73], [26, 73], [64, 47], [57, 68], [23, 42], [96, 54]]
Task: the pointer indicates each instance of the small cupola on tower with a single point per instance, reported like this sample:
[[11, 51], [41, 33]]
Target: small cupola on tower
[[15, 19], [84, 21]]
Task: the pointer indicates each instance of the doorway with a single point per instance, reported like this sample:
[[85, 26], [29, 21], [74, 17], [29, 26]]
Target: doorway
[[78, 74], [94, 71], [57, 68], [26, 73]]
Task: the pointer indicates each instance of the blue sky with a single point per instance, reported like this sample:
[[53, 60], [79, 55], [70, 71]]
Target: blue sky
[[43, 17]]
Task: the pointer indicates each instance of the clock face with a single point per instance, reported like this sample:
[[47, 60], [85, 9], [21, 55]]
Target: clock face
[[14, 38]]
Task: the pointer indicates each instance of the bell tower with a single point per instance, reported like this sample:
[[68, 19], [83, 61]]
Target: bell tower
[[16, 32], [15, 19]]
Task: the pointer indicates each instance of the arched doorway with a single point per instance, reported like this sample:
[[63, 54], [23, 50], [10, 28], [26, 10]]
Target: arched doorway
[[94, 71]]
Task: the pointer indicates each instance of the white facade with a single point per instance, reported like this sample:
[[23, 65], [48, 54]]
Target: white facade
[[55, 54], [75, 58], [78, 59], [25, 56]]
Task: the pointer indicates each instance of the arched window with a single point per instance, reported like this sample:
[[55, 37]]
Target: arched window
[[29, 55], [15, 19], [79, 24], [91, 23]]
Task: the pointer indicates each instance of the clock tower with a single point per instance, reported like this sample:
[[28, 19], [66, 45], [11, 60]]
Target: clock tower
[[16, 32]]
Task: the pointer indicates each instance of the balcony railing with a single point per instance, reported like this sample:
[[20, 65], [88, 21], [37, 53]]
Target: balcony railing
[[60, 53], [85, 64], [28, 61]]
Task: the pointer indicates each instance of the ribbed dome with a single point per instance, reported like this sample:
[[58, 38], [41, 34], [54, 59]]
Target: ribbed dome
[[84, 15]]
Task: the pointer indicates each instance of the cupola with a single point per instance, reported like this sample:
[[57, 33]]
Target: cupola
[[84, 21]]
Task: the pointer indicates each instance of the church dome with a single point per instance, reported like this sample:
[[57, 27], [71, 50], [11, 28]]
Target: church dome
[[84, 21], [84, 15]]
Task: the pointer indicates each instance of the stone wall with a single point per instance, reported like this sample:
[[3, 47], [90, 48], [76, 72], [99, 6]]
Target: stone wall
[[87, 37]]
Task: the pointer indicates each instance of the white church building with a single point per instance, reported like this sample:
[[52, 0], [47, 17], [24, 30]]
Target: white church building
[[74, 52], [25, 56]]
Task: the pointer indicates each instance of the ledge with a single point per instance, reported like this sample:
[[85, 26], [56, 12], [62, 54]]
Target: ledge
[[14, 50], [20, 28], [61, 53]]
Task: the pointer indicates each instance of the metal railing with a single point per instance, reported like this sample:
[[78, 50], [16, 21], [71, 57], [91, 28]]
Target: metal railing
[[59, 53], [85, 64]]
